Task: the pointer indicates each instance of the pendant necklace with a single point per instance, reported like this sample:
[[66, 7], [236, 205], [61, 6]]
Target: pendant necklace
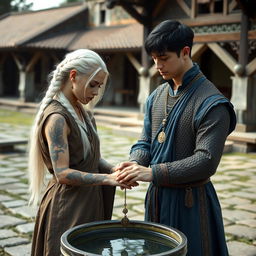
[[162, 136]]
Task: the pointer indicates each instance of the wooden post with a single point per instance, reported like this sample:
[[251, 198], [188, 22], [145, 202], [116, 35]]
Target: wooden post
[[2, 60], [243, 50], [26, 77], [193, 9], [225, 7]]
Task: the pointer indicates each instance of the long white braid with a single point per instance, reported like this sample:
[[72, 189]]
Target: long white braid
[[84, 61]]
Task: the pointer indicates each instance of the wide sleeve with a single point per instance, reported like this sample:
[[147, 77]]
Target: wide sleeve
[[210, 139]]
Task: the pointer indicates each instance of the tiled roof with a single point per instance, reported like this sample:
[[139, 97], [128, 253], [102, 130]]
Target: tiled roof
[[56, 41], [17, 28], [110, 38], [119, 38]]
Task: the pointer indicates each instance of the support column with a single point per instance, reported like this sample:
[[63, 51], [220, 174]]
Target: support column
[[1, 75], [1, 80], [26, 85], [144, 76], [26, 77], [243, 99], [144, 91]]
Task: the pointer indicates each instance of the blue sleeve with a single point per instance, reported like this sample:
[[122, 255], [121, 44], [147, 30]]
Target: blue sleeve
[[140, 151]]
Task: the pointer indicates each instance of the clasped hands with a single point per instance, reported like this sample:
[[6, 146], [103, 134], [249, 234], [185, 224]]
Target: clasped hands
[[129, 173]]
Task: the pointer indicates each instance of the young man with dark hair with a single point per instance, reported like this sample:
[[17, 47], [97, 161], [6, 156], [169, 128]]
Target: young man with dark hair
[[187, 121]]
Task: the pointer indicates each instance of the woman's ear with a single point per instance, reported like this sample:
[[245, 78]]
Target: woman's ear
[[72, 75]]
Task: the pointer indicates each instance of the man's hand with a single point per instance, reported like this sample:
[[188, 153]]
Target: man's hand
[[131, 172]]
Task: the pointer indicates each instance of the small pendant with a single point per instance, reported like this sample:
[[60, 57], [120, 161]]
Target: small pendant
[[161, 137]]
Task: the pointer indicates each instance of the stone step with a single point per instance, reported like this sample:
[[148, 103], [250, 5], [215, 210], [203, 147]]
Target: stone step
[[119, 121]]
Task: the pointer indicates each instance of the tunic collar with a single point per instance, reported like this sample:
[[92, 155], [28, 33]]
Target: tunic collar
[[188, 76]]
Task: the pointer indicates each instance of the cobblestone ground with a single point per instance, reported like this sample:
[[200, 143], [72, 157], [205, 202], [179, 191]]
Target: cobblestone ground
[[235, 183]]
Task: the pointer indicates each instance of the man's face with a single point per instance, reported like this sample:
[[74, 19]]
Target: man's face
[[168, 64]]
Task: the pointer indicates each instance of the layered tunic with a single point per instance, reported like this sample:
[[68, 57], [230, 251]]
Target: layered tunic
[[64, 206], [181, 194]]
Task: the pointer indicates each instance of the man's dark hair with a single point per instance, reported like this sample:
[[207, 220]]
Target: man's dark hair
[[169, 36]]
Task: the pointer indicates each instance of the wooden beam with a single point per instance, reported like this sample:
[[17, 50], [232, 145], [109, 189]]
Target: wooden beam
[[184, 7], [2, 60], [225, 7], [193, 9], [231, 6], [197, 50], [153, 71], [214, 19], [134, 62], [224, 56], [251, 67], [134, 13], [33, 61], [159, 8], [17, 61], [222, 37]]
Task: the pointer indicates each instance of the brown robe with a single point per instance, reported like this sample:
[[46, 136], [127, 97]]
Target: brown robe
[[64, 206]]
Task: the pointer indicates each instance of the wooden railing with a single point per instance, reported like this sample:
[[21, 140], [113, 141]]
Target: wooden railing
[[209, 6]]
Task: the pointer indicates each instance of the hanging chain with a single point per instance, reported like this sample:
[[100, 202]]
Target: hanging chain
[[125, 220]]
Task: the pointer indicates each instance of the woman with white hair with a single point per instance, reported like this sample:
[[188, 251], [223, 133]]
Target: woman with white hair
[[64, 141]]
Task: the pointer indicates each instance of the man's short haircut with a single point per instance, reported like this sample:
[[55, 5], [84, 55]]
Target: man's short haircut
[[169, 36]]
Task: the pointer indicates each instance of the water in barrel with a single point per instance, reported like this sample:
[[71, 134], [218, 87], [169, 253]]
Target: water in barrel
[[128, 243]]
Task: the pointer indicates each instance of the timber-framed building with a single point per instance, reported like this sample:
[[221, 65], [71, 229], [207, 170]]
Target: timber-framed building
[[225, 48]]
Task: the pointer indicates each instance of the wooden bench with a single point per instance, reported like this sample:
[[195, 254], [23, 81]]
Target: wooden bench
[[243, 141], [8, 144]]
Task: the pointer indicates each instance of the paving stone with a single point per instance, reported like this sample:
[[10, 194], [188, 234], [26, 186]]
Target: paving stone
[[5, 233], [250, 189], [226, 222], [230, 170], [4, 162], [21, 250], [5, 180], [251, 182], [249, 223], [12, 174], [137, 194], [224, 195], [234, 158], [241, 249], [13, 186], [13, 241], [221, 186], [244, 194], [237, 215], [119, 202], [25, 228], [18, 191], [240, 183], [5, 167], [235, 201], [241, 231], [25, 211], [222, 178], [14, 203], [248, 207], [5, 198], [6, 221], [139, 208]]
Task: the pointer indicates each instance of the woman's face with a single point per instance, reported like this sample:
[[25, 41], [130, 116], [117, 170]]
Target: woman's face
[[84, 93]]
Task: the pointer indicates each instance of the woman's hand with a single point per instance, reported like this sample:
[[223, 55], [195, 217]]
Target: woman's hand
[[112, 181]]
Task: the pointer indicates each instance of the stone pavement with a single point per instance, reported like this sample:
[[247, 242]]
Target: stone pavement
[[235, 182]]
